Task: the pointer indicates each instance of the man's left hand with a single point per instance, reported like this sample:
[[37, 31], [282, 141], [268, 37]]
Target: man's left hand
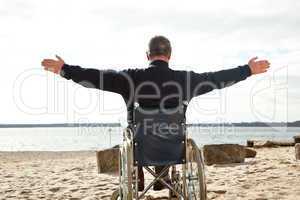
[[258, 66]]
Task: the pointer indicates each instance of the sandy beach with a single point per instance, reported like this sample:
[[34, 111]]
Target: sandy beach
[[273, 174]]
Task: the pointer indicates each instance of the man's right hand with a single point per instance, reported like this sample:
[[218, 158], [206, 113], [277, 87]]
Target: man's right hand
[[53, 65]]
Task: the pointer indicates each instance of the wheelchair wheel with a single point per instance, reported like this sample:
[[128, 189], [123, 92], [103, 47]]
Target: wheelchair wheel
[[115, 195], [126, 167], [195, 177]]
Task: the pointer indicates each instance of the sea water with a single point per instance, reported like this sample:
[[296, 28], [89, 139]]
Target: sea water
[[96, 138]]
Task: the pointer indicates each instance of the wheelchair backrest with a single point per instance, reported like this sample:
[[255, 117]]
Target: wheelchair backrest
[[159, 136]]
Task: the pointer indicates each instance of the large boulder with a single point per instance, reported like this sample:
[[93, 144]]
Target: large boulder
[[269, 143], [108, 160], [223, 154], [297, 151], [262, 143], [249, 153], [297, 138]]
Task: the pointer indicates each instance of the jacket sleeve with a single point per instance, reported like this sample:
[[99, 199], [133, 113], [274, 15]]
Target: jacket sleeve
[[206, 82], [107, 80]]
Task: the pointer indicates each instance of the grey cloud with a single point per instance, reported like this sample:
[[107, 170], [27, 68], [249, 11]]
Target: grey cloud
[[284, 23]]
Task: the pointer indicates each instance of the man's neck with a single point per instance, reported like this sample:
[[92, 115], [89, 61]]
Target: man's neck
[[163, 58]]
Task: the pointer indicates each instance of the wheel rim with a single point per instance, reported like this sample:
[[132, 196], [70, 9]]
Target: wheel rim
[[192, 177], [196, 187], [126, 172]]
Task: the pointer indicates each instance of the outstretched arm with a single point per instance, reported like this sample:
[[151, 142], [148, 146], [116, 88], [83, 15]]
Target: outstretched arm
[[206, 82], [108, 80]]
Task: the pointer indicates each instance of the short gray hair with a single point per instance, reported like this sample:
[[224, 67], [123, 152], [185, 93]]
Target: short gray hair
[[159, 46]]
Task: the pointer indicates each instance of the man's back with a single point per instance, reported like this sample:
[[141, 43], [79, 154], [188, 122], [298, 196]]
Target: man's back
[[157, 85]]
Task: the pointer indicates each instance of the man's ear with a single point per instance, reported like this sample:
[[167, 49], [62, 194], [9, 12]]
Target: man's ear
[[169, 56], [147, 54]]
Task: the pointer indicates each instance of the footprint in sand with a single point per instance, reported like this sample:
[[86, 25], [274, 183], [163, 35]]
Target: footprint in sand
[[246, 186], [11, 197], [272, 177], [105, 196], [84, 188], [242, 180], [283, 193], [9, 190], [8, 176], [55, 189], [99, 185], [73, 189], [285, 162], [74, 198], [25, 191], [209, 181], [104, 188]]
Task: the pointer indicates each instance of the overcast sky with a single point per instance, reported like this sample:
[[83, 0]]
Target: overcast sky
[[206, 36]]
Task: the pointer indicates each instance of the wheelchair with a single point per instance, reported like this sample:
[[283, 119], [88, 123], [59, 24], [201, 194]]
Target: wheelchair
[[158, 137]]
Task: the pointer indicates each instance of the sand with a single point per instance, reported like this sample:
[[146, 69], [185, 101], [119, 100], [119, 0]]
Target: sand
[[273, 174]]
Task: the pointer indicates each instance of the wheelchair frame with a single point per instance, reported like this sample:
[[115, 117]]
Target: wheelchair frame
[[189, 184]]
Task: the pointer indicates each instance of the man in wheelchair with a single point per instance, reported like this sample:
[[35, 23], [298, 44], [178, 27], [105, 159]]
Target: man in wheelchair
[[156, 87]]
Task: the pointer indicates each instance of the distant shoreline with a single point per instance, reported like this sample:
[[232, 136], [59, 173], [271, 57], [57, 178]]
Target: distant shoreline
[[63, 125], [70, 125]]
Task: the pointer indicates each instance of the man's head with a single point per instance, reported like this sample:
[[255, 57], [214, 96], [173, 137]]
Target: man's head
[[159, 48]]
